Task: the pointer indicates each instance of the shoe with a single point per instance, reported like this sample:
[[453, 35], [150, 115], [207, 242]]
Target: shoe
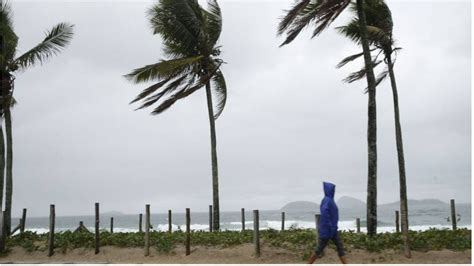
[[343, 259]]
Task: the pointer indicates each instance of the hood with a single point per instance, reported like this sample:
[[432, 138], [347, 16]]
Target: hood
[[329, 189]]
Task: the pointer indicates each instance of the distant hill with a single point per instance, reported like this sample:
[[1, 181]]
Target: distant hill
[[418, 203], [352, 206], [350, 203], [300, 206]]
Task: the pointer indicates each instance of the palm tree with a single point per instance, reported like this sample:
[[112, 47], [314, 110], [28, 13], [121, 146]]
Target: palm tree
[[321, 13], [380, 28], [189, 34], [56, 39]]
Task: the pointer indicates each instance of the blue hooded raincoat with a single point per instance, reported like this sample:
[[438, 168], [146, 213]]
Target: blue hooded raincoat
[[329, 213]]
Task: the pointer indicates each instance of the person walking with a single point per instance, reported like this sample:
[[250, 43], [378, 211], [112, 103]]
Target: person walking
[[328, 225]]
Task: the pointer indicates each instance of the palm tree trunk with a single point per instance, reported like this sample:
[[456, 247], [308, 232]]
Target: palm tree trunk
[[401, 160], [371, 128], [2, 165], [9, 174], [5, 88], [215, 176]]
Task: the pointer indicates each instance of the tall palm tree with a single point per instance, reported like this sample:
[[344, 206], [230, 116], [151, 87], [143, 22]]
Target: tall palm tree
[[321, 13], [55, 40], [380, 29], [190, 34]]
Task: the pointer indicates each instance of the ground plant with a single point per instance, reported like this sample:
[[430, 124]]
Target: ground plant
[[301, 241]]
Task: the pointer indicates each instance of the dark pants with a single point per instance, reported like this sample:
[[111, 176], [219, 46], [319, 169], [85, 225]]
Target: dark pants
[[324, 241]]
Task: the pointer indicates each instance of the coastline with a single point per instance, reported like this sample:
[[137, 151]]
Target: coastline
[[276, 225]]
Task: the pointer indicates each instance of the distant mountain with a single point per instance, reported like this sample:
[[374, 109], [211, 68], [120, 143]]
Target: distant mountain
[[353, 206], [300, 206], [424, 203], [346, 202]]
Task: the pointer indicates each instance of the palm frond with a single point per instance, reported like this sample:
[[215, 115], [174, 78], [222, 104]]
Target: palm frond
[[6, 14], [56, 39], [220, 90], [354, 76], [172, 86], [213, 22], [291, 15], [176, 22], [349, 59], [329, 10], [186, 91], [379, 24], [351, 30], [381, 77], [163, 70], [303, 19], [183, 93], [323, 13], [150, 90]]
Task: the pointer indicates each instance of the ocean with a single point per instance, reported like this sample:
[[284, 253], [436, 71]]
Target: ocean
[[419, 219]]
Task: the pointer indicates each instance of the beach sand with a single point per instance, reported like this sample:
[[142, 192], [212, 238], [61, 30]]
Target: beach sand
[[238, 254]]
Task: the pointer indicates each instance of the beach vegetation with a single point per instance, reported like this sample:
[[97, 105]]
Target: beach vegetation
[[300, 241]]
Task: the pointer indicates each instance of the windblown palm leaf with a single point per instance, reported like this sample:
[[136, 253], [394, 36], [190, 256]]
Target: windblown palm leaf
[[56, 39], [320, 13], [220, 90]]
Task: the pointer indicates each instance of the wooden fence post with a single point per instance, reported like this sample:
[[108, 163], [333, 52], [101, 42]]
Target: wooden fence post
[[147, 229], [2, 231], [52, 216], [16, 228], [170, 224], [256, 233], [140, 223], [282, 221], [112, 225], [210, 218], [188, 231], [243, 218], [23, 221], [397, 222], [358, 225], [97, 236], [453, 215], [317, 218]]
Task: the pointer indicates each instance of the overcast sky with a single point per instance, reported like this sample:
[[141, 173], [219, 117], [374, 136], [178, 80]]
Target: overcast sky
[[289, 124]]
